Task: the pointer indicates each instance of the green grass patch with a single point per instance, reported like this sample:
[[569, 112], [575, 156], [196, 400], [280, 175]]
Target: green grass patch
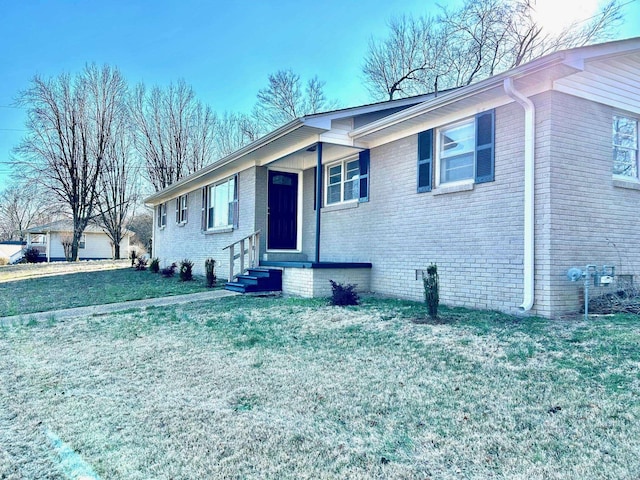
[[82, 289], [287, 388]]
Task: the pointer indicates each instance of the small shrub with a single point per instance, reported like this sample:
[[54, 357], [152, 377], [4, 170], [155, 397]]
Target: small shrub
[[342, 295], [431, 290], [4, 261], [209, 268], [31, 255], [141, 264], [154, 266], [169, 271], [186, 270]]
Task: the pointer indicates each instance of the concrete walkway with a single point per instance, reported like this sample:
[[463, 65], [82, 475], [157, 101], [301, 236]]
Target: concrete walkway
[[116, 307]]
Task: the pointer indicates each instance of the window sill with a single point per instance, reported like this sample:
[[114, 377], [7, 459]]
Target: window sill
[[181, 224], [214, 231], [631, 184], [442, 190], [162, 227], [340, 206]]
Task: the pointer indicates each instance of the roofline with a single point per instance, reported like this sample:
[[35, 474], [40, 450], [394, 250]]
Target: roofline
[[256, 144], [458, 94], [308, 120], [569, 57]]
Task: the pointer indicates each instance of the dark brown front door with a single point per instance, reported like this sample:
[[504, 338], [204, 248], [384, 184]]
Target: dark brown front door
[[283, 211]]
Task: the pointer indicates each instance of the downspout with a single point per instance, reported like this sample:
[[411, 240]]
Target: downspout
[[529, 192], [318, 198]]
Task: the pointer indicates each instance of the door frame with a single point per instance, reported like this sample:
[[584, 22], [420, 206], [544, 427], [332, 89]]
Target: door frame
[[298, 248]]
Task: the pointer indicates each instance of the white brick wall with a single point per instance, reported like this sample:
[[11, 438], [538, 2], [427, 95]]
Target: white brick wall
[[314, 282], [592, 219], [177, 242], [475, 237]]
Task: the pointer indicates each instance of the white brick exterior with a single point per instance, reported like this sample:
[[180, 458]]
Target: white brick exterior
[[474, 233], [314, 282]]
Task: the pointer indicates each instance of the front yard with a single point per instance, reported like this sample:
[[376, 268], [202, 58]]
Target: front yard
[[287, 388], [43, 287]]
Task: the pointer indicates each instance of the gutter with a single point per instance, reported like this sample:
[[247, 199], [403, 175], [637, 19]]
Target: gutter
[[529, 192]]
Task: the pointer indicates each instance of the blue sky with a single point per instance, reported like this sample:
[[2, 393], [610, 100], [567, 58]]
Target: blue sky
[[225, 50]]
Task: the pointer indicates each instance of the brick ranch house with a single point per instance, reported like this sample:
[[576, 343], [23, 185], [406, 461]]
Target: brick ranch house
[[504, 184]]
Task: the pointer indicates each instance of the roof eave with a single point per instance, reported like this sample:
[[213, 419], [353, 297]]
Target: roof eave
[[457, 95], [270, 137]]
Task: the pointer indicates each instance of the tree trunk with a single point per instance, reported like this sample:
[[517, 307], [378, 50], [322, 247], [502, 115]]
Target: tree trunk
[[116, 251]]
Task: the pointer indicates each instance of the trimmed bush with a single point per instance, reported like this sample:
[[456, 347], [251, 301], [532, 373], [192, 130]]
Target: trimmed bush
[[169, 271], [431, 290], [31, 255], [186, 270], [343, 295], [154, 266], [209, 268], [141, 264]]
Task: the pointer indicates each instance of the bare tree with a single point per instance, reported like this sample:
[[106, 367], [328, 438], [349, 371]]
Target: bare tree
[[408, 62], [174, 132], [117, 186], [234, 131], [69, 124], [285, 98], [22, 206], [475, 41]]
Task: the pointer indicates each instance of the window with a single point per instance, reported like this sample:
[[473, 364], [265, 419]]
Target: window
[[221, 201], [181, 209], [83, 241], [625, 147], [456, 149], [348, 180], [39, 239], [464, 152], [162, 215]]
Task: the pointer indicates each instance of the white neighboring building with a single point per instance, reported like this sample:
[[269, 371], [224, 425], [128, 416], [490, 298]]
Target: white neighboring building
[[12, 253], [95, 244]]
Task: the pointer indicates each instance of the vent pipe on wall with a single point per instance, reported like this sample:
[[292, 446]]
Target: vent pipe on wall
[[529, 192]]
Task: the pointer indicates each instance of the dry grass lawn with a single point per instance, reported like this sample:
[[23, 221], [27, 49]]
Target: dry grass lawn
[[44, 287], [284, 388]]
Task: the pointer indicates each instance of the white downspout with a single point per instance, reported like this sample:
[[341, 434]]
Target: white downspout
[[529, 192]]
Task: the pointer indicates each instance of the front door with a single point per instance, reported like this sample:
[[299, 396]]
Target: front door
[[283, 211]]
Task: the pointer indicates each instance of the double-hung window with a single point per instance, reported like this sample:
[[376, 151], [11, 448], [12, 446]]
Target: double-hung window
[[625, 147], [162, 215], [456, 148], [348, 180], [82, 243], [343, 181], [181, 209], [221, 200], [463, 152]]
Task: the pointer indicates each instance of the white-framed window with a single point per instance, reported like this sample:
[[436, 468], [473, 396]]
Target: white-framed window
[[625, 147], [222, 201], [181, 209], [456, 152], [162, 215], [463, 152], [343, 181], [38, 239], [82, 243]]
